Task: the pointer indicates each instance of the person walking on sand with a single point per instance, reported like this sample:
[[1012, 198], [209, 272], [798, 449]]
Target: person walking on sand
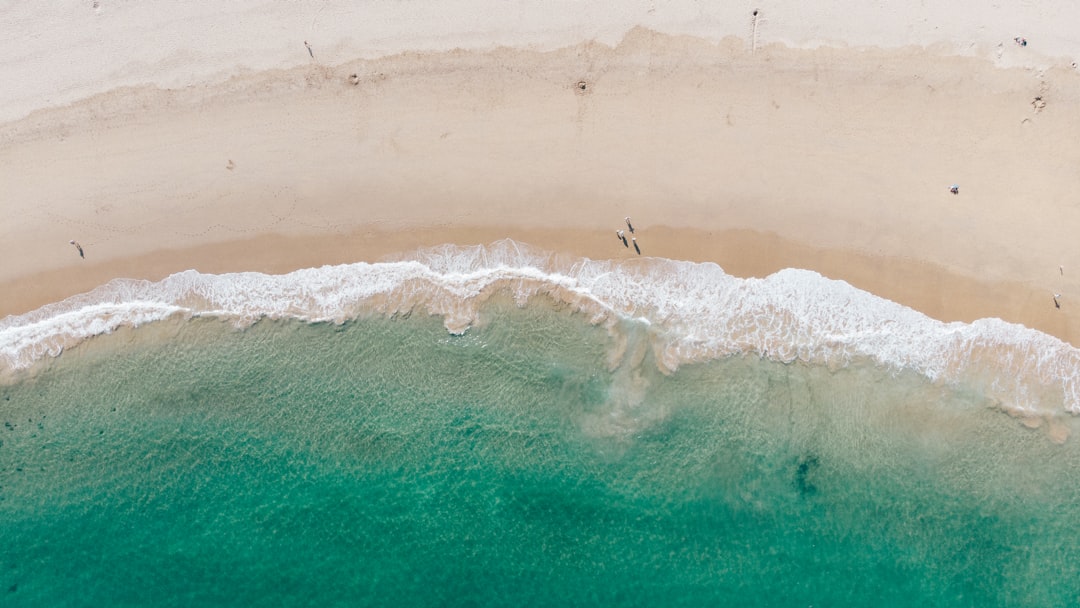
[[79, 248], [636, 248], [629, 225], [309, 51], [1056, 303]]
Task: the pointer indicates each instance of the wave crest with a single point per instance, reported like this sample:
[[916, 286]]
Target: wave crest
[[695, 313]]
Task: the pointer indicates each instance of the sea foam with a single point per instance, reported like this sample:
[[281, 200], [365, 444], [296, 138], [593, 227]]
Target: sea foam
[[694, 312]]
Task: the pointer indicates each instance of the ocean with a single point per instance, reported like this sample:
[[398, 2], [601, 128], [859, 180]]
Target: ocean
[[501, 426]]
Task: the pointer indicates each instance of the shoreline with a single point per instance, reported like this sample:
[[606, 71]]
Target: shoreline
[[690, 312], [824, 159], [920, 285]]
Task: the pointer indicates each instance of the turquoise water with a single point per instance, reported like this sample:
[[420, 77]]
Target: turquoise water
[[387, 462]]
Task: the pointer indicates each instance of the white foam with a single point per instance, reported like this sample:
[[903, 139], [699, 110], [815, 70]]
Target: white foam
[[696, 312]]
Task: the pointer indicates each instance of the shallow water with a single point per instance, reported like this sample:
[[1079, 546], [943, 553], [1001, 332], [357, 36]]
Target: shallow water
[[387, 461]]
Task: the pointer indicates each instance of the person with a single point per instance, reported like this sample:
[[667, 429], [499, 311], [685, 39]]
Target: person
[[629, 225], [79, 248], [310, 52], [954, 189]]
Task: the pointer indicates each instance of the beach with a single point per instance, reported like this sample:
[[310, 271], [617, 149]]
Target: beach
[[839, 160], [478, 303]]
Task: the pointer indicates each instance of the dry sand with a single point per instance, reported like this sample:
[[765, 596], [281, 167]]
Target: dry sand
[[756, 156]]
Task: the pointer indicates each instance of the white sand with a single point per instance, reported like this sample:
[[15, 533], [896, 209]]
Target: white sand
[[256, 156], [61, 51]]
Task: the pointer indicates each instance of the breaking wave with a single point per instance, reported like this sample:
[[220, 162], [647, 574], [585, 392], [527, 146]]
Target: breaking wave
[[694, 312]]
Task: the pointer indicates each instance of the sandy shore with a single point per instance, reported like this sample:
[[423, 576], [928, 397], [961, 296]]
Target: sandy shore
[[754, 157]]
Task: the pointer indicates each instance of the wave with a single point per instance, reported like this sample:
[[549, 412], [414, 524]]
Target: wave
[[694, 312]]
